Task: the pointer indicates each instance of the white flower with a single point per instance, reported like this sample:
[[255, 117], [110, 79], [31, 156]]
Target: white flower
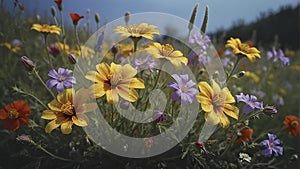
[[245, 157]]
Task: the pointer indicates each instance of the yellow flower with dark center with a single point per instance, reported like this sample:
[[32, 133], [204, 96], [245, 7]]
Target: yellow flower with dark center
[[243, 49], [114, 81], [166, 51], [137, 31], [44, 28], [215, 102], [69, 108]]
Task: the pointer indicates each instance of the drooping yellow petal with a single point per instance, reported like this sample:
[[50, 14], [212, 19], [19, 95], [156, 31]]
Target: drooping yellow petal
[[66, 127], [229, 97], [205, 89], [137, 83], [79, 121], [212, 118], [129, 95], [49, 115], [97, 90], [55, 105], [224, 122], [112, 96], [54, 124], [231, 111]]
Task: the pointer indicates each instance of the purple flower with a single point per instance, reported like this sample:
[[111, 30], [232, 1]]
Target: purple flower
[[198, 56], [159, 116], [198, 60], [147, 63], [99, 43], [184, 87], [278, 55], [28, 63], [226, 61], [200, 39], [60, 79], [272, 146], [251, 102], [278, 100], [16, 42], [258, 93]]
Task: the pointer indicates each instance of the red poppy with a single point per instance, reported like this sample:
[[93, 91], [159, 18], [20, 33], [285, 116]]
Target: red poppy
[[58, 3], [15, 114], [292, 125], [245, 135], [75, 17]]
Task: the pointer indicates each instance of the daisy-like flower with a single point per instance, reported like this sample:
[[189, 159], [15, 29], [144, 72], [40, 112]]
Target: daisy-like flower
[[184, 89], [137, 31], [46, 29], [243, 49], [272, 146], [67, 109], [75, 18], [15, 115], [215, 102], [114, 81], [292, 125], [61, 79], [245, 157], [251, 103], [11, 47], [245, 135], [167, 52]]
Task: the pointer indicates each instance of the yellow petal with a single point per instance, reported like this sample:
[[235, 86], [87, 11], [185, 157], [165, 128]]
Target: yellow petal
[[65, 96], [215, 87], [97, 90], [104, 71], [95, 76], [129, 95], [224, 122], [80, 121], [55, 105], [229, 97], [48, 115], [231, 111], [137, 83], [54, 124], [66, 127], [212, 118], [128, 71], [205, 89], [81, 96], [84, 108], [112, 96]]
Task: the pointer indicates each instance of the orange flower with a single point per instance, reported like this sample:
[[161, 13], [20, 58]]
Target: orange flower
[[75, 17], [15, 114], [245, 135], [58, 3], [292, 125]]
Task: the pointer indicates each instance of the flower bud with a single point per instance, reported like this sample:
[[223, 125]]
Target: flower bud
[[28, 63], [159, 116], [72, 58], [59, 4], [127, 17], [53, 11], [24, 138], [193, 17], [270, 110], [239, 75], [114, 49], [97, 18]]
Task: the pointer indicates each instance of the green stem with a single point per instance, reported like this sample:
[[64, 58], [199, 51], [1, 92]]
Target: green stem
[[43, 83], [47, 152], [34, 97], [46, 49], [77, 38], [62, 24], [158, 76], [233, 69]]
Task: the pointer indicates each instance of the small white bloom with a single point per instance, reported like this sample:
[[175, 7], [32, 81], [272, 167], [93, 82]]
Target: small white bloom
[[245, 157]]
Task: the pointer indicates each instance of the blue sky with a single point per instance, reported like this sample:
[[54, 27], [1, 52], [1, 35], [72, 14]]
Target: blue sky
[[222, 13]]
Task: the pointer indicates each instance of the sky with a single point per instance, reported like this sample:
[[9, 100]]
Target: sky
[[222, 13]]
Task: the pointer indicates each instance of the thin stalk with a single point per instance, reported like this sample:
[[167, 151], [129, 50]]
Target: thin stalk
[[34, 97], [233, 69], [49, 153], [43, 83], [46, 49], [77, 38]]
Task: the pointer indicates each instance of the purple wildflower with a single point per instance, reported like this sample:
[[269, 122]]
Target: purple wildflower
[[100, 41], [226, 61], [16, 42], [251, 102], [60, 79], [200, 39], [28, 63], [198, 60], [278, 55], [159, 116], [147, 63], [258, 93], [272, 146], [199, 55], [184, 87]]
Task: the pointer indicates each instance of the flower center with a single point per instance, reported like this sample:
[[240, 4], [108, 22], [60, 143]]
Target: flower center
[[218, 100], [245, 156], [294, 123], [13, 114], [184, 88], [68, 108], [60, 78]]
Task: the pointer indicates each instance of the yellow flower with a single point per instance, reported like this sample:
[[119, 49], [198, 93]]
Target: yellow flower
[[295, 67], [66, 110], [125, 49], [137, 31], [166, 51], [11, 47], [44, 28], [243, 48], [215, 102], [115, 80], [253, 76], [63, 47]]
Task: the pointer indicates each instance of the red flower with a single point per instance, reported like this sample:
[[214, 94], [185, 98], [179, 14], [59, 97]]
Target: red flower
[[15, 114], [292, 125], [75, 18], [245, 135], [58, 3]]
